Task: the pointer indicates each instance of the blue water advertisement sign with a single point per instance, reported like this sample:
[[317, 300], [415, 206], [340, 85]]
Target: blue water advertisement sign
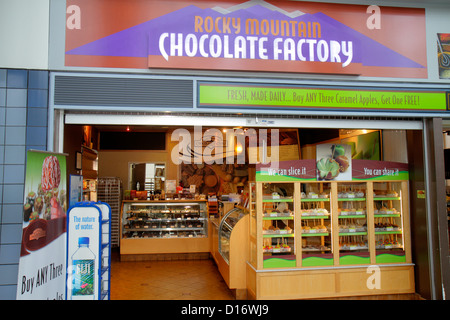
[[83, 252]]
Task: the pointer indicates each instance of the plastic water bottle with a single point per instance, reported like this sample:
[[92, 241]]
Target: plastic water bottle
[[83, 271]]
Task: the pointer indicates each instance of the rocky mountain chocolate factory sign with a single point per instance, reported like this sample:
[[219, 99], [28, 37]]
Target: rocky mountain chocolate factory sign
[[279, 36]]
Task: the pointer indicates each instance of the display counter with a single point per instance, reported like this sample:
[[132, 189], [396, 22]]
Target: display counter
[[214, 238], [163, 227], [328, 239], [229, 249]]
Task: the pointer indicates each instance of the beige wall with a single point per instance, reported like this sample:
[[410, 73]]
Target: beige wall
[[25, 33], [115, 163], [395, 146], [393, 143]]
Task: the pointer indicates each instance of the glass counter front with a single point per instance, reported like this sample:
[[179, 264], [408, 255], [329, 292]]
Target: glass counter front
[[229, 221]]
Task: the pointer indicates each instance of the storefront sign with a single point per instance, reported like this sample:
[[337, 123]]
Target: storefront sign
[[379, 170], [42, 261], [312, 170], [272, 96], [274, 36], [294, 170]]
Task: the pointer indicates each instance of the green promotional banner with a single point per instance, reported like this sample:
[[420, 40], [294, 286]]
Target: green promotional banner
[[229, 95]]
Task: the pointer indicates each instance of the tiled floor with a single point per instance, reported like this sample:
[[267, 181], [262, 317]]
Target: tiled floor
[[167, 280], [181, 280]]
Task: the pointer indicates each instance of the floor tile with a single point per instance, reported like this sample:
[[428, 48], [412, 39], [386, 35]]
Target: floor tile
[[167, 280]]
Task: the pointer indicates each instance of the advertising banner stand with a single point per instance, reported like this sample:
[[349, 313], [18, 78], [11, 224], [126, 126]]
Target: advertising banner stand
[[88, 251], [42, 254]]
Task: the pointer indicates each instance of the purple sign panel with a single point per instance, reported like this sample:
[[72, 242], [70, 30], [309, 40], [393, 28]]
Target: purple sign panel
[[257, 36]]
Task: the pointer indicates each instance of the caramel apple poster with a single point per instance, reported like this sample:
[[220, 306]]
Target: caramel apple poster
[[334, 162], [43, 251]]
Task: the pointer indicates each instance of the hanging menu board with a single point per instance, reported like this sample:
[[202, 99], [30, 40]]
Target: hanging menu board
[[333, 163]]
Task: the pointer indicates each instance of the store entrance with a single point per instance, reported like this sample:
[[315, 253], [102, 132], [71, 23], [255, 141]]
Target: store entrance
[[141, 158]]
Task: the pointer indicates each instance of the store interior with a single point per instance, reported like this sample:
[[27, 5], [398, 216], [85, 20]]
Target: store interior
[[141, 158], [119, 148]]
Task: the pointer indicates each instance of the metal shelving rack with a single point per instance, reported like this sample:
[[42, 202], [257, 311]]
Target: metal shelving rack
[[110, 192]]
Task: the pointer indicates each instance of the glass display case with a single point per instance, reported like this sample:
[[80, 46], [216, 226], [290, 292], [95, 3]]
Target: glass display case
[[278, 225], [329, 223], [388, 222], [317, 244], [229, 221], [164, 219], [352, 215], [312, 236]]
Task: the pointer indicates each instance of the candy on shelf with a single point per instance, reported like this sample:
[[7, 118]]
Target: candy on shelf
[[313, 209], [353, 243]]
